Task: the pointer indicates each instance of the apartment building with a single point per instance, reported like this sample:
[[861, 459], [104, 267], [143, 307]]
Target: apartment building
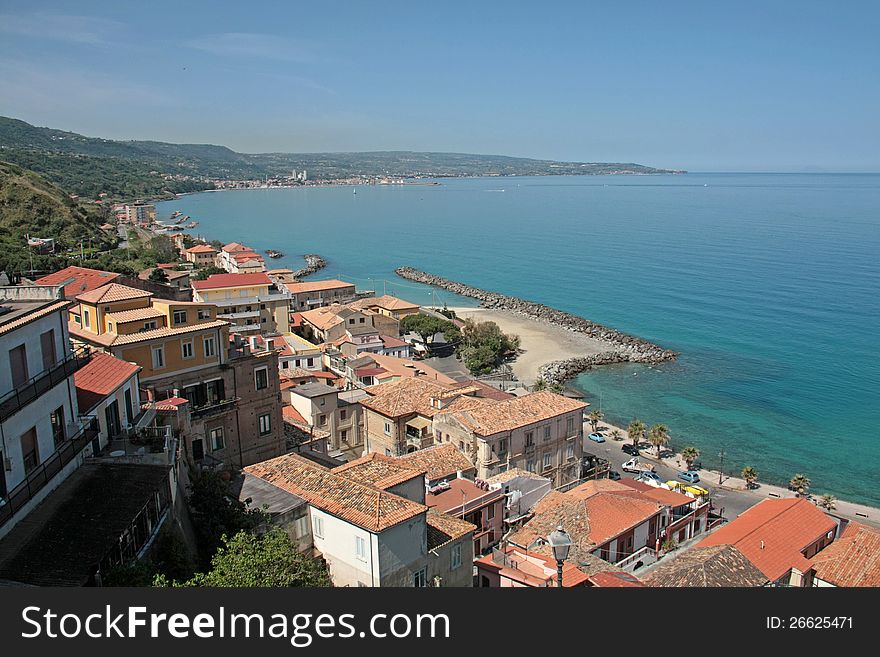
[[388, 306], [140, 213], [239, 259], [42, 437], [307, 295], [250, 302], [201, 255], [326, 408]]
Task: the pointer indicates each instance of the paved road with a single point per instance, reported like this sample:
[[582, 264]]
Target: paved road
[[122, 231]]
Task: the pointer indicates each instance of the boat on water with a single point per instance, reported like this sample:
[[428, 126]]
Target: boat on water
[[272, 253], [192, 224]]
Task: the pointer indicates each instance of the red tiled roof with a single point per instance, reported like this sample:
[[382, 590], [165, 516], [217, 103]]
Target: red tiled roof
[[170, 404], [78, 280], [215, 281], [315, 286], [774, 533], [460, 495], [377, 470], [392, 343], [365, 506], [292, 415], [853, 559], [201, 248], [103, 375], [438, 460], [614, 580], [113, 292]]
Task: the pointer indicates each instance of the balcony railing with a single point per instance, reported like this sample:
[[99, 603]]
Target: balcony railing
[[216, 407], [37, 479], [15, 400], [645, 555]]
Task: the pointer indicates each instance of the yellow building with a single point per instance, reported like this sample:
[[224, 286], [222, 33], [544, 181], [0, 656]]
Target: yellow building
[[388, 306], [251, 302], [163, 337]]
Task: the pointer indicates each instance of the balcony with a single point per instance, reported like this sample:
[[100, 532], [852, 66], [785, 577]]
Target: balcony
[[15, 400], [214, 408], [37, 479]]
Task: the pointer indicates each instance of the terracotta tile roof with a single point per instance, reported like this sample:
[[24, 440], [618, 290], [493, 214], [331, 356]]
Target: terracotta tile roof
[[169, 404], [773, 534], [438, 461], [77, 280], [365, 506], [134, 315], [593, 513], [444, 528], [235, 247], [853, 559], [101, 376], [201, 248], [531, 568], [218, 281], [113, 292], [664, 496], [24, 320], [164, 332], [172, 274], [413, 395], [716, 565], [316, 286], [462, 495], [378, 470], [406, 368], [615, 580], [292, 415], [390, 342], [386, 302], [517, 412], [323, 318], [484, 390], [246, 255], [512, 473]]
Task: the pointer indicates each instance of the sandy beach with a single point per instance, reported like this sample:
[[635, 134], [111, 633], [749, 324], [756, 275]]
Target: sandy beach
[[540, 342]]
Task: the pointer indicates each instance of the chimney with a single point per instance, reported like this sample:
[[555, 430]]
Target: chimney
[[762, 545]]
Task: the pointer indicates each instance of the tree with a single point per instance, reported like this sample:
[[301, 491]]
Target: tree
[[203, 273], [690, 454], [799, 483], [539, 385], [750, 475], [636, 431], [658, 436], [595, 417], [828, 502], [158, 275], [251, 560], [616, 435], [426, 326], [479, 360]]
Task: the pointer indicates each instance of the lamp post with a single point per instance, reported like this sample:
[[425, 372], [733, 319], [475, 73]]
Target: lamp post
[[560, 543]]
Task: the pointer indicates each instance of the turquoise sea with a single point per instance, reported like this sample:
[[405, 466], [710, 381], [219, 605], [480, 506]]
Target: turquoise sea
[[768, 285]]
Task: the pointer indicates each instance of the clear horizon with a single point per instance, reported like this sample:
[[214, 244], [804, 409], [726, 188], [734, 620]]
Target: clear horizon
[[759, 87]]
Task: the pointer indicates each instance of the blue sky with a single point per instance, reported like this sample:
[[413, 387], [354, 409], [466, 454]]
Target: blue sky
[[698, 85]]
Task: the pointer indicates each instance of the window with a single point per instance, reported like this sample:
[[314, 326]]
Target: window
[[301, 526], [150, 325], [548, 461], [57, 420], [456, 556], [322, 402], [47, 346], [461, 445], [179, 317], [209, 347], [502, 446], [490, 512], [186, 349], [265, 424], [569, 452], [204, 314], [322, 420], [129, 409], [360, 548], [343, 414], [19, 366], [110, 327], [86, 316], [285, 364], [261, 378], [217, 441], [158, 358], [570, 426], [547, 433], [387, 428], [530, 466], [351, 321], [310, 362], [344, 435], [420, 578], [319, 526], [362, 320], [530, 438], [29, 452]]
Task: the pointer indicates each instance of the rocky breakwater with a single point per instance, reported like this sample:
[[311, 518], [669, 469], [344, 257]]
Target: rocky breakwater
[[314, 263], [622, 348]]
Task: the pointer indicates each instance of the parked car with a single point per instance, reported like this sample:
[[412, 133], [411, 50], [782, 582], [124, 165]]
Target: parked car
[[630, 449], [693, 491], [597, 437], [613, 475], [649, 477], [690, 476]]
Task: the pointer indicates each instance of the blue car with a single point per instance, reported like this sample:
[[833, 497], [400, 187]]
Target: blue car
[[690, 476], [597, 437]]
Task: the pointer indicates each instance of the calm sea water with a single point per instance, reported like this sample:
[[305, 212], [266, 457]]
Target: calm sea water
[[768, 285]]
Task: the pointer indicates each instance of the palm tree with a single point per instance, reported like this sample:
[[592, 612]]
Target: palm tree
[[827, 502], [616, 435], [750, 475], [636, 431], [658, 436], [595, 417], [800, 483], [539, 384], [690, 454]]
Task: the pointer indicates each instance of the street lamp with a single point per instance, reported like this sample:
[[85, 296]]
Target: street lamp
[[560, 543]]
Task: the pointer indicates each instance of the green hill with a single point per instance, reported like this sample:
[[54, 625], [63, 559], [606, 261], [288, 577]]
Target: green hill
[[29, 205]]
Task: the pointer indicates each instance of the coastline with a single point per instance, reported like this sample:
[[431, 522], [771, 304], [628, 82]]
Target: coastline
[[600, 345]]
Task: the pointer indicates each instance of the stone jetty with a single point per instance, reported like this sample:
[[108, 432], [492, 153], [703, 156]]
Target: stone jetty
[[622, 348], [314, 263]]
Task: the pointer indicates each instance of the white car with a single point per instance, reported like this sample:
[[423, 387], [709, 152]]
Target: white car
[[651, 478]]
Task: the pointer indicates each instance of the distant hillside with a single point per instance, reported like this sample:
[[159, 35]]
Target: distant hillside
[[31, 206], [128, 169]]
